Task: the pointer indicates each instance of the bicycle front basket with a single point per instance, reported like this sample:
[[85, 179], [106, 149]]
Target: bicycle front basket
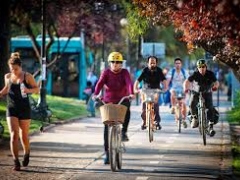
[[113, 113]]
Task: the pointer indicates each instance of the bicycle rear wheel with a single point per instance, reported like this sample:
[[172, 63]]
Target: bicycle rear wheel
[[113, 148], [119, 148]]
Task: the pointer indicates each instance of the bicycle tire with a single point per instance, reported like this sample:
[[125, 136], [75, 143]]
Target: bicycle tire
[[203, 126], [119, 148], [179, 120], [149, 123], [113, 148]]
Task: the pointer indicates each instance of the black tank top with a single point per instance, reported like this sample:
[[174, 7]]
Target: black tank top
[[14, 96]]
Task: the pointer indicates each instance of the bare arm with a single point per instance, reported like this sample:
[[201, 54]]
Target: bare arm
[[135, 86], [4, 90], [216, 84], [186, 85], [165, 85], [31, 81]]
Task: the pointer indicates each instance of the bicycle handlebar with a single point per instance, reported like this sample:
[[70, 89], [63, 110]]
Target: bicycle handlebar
[[121, 100], [148, 90]]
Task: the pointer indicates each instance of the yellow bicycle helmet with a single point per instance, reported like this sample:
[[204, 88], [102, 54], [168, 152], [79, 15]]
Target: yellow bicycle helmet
[[115, 56]]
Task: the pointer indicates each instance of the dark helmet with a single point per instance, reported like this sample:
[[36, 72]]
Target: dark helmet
[[201, 62]]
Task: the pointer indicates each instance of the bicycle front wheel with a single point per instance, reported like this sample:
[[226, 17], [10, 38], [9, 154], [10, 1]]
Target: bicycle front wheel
[[119, 148], [179, 118], [113, 148], [149, 122], [202, 125]]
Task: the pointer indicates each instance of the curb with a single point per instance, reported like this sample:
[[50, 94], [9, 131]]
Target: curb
[[57, 123], [226, 151]]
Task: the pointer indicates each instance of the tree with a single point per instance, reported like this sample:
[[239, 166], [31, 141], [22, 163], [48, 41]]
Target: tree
[[67, 18], [212, 25], [4, 39]]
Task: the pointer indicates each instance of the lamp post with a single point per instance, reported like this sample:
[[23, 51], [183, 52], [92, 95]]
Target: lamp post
[[124, 23], [99, 8]]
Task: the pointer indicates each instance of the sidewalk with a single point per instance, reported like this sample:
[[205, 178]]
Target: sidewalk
[[61, 151]]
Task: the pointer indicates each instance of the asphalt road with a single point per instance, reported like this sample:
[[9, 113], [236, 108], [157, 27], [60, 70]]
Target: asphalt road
[[74, 151]]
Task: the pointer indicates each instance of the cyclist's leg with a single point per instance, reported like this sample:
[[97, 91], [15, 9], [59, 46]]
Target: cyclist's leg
[[184, 112], [143, 114], [173, 100], [209, 106], [156, 111], [126, 121], [106, 144], [193, 110]]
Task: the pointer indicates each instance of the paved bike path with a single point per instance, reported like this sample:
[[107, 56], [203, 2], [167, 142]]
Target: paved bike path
[[75, 151]]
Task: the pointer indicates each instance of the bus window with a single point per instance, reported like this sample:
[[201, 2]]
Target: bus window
[[65, 75]]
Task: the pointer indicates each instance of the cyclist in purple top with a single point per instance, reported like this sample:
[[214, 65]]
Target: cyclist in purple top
[[116, 83]]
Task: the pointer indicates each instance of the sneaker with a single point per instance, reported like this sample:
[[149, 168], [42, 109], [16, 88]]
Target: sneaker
[[106, 159], [158, 126], [124, 137], [143, 126], [194, 122], [212, 132], [17, 165], [25, 160], [184, 124], [172, 110]]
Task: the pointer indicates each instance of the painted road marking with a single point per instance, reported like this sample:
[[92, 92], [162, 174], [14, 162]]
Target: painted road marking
[[142, 178]]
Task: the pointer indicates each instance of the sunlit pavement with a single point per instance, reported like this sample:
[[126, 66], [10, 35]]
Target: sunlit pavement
[[75, 151]]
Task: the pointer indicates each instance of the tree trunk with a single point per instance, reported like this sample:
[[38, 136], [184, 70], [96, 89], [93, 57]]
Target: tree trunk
[[4, 39]]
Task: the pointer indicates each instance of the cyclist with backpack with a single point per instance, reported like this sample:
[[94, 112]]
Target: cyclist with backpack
[[175, 77]]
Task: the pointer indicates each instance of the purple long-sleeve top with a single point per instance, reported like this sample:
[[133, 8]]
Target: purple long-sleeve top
[[116, 85]]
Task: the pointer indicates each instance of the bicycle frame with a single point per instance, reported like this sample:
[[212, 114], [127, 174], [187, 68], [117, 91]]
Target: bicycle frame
[[150, 114], [179, 109], [116, 146]]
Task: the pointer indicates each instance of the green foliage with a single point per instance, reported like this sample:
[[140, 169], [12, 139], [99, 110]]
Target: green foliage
[[233, 116], [236, 161], [62, 108], [137, 24]]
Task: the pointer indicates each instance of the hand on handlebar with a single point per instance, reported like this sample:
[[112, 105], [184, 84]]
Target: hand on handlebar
[[95, 97], [214, 88], [136, 91], [131, 96], [186, 91]]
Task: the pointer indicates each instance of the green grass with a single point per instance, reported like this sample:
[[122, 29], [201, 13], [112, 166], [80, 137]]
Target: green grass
[[233, 118], [63, 109]]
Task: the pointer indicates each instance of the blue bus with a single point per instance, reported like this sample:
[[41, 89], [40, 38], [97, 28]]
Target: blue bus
[[67, 77]]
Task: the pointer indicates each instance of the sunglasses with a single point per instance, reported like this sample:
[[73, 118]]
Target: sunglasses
[[116, 62], [201, 66]]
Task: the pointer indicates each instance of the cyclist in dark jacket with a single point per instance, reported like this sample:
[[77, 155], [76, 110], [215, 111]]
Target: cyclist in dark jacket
[[151, 76], [202, 80]]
